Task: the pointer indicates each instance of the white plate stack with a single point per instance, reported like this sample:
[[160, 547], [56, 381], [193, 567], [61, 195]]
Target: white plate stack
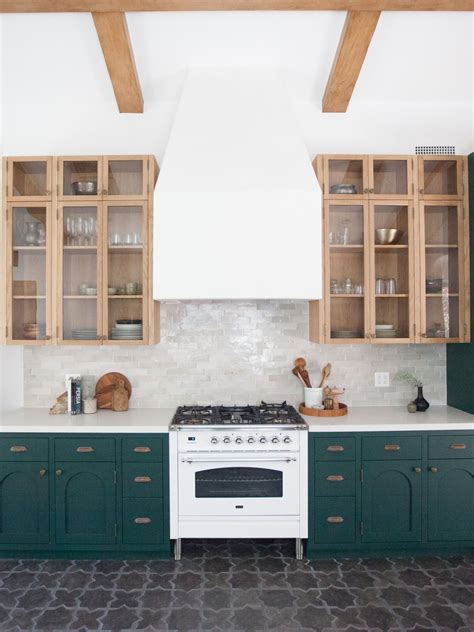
[[84, 334], [386, 331], [123, 331]]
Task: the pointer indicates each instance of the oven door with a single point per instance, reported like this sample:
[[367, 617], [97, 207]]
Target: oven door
[[228, 485]]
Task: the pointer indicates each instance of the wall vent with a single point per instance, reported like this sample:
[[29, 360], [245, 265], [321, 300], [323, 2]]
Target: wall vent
[[435, 150]]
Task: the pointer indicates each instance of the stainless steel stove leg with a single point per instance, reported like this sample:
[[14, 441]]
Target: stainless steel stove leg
[[299, 549], [177, 549]]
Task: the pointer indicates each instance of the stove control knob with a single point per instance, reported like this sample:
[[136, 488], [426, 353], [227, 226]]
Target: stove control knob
[[238, 440], [286, 439], [226, 439], [251, 440], [275, 440], [263, 439], [214, 440]]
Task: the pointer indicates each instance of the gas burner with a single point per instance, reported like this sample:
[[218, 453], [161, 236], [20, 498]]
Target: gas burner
[[193, 415], [263, 415], [237, 415]]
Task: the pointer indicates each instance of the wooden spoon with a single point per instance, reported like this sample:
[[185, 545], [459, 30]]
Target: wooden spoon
[[301, 372], [325, 374]]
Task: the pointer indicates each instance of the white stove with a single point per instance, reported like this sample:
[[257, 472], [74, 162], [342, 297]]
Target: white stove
[[239, 472]]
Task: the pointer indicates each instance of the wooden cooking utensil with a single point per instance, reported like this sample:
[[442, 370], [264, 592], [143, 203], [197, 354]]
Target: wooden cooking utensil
[[106, 386], [325, 374], [301, 372]]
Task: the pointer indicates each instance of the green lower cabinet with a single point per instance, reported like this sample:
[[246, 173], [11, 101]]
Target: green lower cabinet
[[334, 520], [451, 500], [143, 521], [24, 503], [85, 503], [391, 501]]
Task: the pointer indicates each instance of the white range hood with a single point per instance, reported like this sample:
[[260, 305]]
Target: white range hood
[[237, 203]]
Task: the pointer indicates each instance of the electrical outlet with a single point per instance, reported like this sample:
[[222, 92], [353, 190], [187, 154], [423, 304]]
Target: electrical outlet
[[381, 379]]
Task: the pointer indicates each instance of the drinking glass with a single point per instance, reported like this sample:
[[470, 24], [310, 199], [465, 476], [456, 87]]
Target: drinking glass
[[380, 286], [391, 286]]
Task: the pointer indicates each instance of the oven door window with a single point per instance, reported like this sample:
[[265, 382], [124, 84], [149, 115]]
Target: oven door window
[[239, 482]]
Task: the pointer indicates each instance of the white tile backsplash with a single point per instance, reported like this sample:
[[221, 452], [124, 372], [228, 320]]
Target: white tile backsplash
[[236, 352]]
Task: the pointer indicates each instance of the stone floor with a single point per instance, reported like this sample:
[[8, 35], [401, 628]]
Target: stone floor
[[223, 587]]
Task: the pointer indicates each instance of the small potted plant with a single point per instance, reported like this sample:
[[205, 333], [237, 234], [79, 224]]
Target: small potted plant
[[420, 402]]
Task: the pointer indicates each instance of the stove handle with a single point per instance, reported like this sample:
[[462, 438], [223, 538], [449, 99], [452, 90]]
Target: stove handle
[[275, 460]]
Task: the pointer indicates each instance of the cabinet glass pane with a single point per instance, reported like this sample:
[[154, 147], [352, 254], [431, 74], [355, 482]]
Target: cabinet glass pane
[[29, 273], [125, 232], [392, 280], [390, 177], [80, 273], [80, 177], [30, 178], [346, 270], [440, 177], [346, 177], [125, 177], [442, 271]]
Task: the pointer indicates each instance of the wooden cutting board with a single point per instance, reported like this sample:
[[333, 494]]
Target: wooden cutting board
[[107, 385]]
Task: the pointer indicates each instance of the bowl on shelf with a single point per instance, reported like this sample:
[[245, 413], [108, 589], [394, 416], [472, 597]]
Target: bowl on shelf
[[386, 236], [84, 187], [112, 291], [434, 285], [343, 189]]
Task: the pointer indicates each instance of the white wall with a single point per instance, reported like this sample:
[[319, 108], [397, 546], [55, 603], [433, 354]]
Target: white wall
[[11, 378]]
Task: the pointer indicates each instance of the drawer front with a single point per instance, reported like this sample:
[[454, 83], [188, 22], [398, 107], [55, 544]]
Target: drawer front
[[143, 480], [451, 447], [23, 449], [143, 521], [335, 479], [391, 448], [141, 450], [334, 520], [84, 449], [335, 449]]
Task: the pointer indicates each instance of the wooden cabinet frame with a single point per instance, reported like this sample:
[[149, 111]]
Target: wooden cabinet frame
[[145, 160], [55, 204], [320, 311], [8, 175]]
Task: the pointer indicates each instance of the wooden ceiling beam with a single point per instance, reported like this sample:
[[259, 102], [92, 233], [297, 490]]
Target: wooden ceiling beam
[[114, 39], [60, 6], [354, 42]]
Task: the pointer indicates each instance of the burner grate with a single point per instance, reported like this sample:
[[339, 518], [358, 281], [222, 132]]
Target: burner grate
[[265, 414]]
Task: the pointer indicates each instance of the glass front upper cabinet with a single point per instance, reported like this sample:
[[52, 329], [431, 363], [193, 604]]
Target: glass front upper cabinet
[[80, 178], [126, 177], [441, 178], [390, 177], [125, 282], [442, 279], [345, 177], [28, 179], [346, 271], [29, 273], [80, 308], [392, 280]]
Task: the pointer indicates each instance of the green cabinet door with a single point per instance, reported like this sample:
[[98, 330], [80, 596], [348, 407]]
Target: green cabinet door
[[391, 501], [451, 500], [24, 503], [85, 503]]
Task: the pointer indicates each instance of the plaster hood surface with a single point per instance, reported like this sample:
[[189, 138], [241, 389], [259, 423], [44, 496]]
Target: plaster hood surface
[[237, 204]]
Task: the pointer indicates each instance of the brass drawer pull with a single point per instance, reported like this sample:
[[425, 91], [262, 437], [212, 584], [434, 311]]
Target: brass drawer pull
[[417, 470], [335, 519], [142, 449], [433, 469], [142, 520], [18, 448], [142, 479], [43, 472], [335, 478], [335, 448], [458, 446], [85, 448], [391, 447]]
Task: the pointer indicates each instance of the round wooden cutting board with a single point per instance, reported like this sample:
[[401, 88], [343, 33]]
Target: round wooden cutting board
[[106, 386]]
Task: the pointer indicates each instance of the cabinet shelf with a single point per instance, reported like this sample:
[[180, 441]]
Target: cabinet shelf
[[81, 249], [347, 296], [125, 250], [80, 297], [29, 298], [440, 295], [114, 297], [440, 246], [392, 295], [391, 246], [29, 249]]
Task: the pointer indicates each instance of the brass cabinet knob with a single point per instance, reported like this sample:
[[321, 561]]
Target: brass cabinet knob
[[43, 472], [365, 190], [417, 470], [422, 191], [371, 190], [59, 472], [433, 469]]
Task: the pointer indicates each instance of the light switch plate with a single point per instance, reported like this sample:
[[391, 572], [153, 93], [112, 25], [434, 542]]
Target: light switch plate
[[382, 379]]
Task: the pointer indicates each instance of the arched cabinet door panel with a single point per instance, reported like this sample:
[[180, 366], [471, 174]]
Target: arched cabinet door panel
[[451, 500], [24, 503], [391, 501], [85, 503]]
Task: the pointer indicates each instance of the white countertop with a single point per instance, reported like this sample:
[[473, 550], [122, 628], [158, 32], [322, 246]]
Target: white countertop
[[136, 420], [151, 420], [393, 418]]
